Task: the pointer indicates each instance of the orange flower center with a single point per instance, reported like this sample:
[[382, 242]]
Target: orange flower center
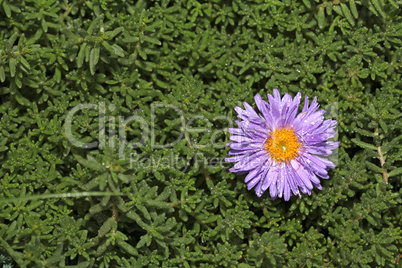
[[283, 145]]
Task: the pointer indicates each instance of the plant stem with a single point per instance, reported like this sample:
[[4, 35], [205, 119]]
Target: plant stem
[[382, 161]]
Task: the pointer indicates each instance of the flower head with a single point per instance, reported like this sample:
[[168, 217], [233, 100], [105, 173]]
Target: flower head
[[280, 149]]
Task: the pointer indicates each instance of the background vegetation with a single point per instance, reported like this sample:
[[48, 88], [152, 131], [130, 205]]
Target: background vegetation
[[64, 206]]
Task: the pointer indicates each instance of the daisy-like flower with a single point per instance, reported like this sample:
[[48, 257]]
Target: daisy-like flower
[[280, 150]]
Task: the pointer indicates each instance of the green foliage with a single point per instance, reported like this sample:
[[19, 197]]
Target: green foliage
[[147, 68]]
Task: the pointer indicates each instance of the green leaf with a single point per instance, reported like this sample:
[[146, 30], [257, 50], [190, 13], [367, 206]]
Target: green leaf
[[394, 4], [18, 82], [13, 38], [144, 240], [371, 220], [12, 63], [44, 25], [95, 24], [386, 146], [7, 9], [353, 8], [151, 40], [212, 218], [94, 58], [117, 50], [113, 49], [378, 7], [373, 167], [81, 55], [25, 63], [347, 14], [321, 17], [112, 34], [338, 10], [2, 74], [395, 172], [127, 247], [21, 99], [307, 3], [106, 227], [383, 126], [370, 110], [231, 77], [364, 132], [131, 39], [364, 144], [134, 216], [102, 180], [142, 53], [90, 162], [302, 207]]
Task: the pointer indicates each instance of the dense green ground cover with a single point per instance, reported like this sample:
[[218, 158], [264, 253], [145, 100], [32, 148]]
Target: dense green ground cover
[[148, 73]]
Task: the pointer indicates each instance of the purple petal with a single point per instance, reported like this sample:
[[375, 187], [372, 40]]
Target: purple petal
[[302, 174], [307, 124], [250, 110], [277, 95], [313, 107], [272, 191], [306, 103], [275, 114], [260, 125], [263, 106], [313, 163], [241, 139], [258, 191], [236, 131], [270, 178], [251, 162], [287, 191], [314, 179], [292, 180], [283, 109], [246, 146], [238, 152], [249, 159], [254, 173], [253, 182], [293, 109], [326, 162], [234, 158], [281, 183]]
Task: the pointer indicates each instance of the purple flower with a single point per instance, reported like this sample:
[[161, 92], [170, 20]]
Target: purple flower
[[280, 149]]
